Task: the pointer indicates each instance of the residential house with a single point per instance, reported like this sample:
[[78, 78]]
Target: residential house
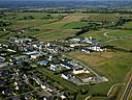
[[95, 48], [34, 54], [80, 71], [43, 63]]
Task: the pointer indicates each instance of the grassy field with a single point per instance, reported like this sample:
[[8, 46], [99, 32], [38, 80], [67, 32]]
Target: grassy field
[[97, 17], [113, 65], [58, 23], [130, 98], [53, 34], [75, 25], [118, 38], [127, 25]]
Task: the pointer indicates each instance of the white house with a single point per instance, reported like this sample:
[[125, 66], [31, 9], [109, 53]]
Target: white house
[[34, 54], [65, 66], [74, 45], [87, 40], [95, 48], [75, 40], [63, 97], [80, 71], [86, 51], [43, 87], [10, 50], [64, 76], [53, 67]]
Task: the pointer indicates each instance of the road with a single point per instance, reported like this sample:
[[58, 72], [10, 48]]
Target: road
[[128, 90], [88, 98], [106, 34], [113, 86]]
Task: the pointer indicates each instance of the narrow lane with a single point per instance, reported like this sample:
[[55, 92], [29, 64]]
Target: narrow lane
[[128, 89]]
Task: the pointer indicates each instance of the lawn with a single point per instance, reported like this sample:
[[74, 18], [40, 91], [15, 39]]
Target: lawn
[[75, 25]]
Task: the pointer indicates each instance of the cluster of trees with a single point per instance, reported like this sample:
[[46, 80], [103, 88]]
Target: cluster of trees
[[107, 10], [97, 25], [83, 10], [122, 21], [48, 16], [28, 17], [90, 26], [4, 23]]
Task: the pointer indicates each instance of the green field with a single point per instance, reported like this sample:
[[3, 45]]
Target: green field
[[52, 35], [118, 38], [113, 65], [57, 23], [75, 25], [127, 25]]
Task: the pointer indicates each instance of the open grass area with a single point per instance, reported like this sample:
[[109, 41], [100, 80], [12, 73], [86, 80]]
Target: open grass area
[[130, 97], [122, 43], [99, 34], [120, 33], [127, 25], [53, 34], [71, 18], [118, 38], [83, 75], [97, 17], [48, 28], [59, 23], [113, 65], [75, 25], [29, 23], [36, 15]]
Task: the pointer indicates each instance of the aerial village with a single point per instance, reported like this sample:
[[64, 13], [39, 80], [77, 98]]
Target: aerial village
[[21, 56]]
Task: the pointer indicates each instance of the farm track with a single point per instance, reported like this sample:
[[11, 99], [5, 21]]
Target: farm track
[[128, 90]]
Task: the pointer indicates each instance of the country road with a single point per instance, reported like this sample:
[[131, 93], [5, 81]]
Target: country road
[[106, 34], [128, 89]]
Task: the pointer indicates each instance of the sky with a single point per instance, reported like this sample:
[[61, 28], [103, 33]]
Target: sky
[[67, 0]]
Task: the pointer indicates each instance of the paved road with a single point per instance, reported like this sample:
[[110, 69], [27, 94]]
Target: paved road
[[128, 90]]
